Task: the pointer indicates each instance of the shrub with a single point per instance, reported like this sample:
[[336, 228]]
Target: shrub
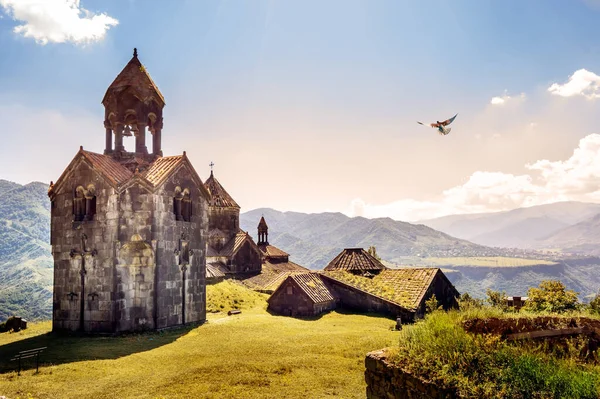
[[432, 304], [594, 305], [466, 302], [496, 299], [551, 296]]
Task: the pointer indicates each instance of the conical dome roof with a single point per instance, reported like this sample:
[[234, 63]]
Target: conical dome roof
[[220, 197], [355, 259]]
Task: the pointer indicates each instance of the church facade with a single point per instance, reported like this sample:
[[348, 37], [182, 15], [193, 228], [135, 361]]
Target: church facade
[[129, 229]]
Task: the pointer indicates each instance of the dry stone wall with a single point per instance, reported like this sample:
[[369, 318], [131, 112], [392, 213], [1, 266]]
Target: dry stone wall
[[387, 381]]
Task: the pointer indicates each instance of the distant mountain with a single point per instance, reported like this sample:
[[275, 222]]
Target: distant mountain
[[314, 239], [519, 228], [25, 255], [583, 237]]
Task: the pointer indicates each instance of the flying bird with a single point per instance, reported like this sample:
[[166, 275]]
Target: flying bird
[[441, 126]]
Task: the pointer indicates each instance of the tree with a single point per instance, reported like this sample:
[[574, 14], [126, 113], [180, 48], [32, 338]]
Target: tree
[[595, 305], [432, 304], [373, 252], [466, 301], [551, 296], [496, 299]]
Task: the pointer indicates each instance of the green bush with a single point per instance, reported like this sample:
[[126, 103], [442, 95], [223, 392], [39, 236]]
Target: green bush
[[551, 296], [438, 349]]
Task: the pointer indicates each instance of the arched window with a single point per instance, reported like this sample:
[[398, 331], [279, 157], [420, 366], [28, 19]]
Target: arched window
[[84, 203], [177, 203], [186, 206]]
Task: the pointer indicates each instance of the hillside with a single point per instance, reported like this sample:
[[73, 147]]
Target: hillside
[[314, 239], [520, 228], [25, 257], [250, 355]]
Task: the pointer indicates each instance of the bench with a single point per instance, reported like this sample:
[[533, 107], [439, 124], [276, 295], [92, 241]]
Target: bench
[[27, 355]]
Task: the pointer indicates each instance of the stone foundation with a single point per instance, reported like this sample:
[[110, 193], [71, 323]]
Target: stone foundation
[[387, 381]]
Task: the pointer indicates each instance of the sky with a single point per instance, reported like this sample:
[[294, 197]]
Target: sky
[[311, 106]]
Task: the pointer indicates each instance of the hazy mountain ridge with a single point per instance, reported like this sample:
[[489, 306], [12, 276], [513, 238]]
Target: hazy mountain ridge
[[521, 228], [324, 235]]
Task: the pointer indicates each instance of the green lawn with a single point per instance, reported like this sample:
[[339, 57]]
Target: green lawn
[[482, 261], [251, 355]]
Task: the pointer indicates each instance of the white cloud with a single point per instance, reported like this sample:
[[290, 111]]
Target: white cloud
[[57, 21], [500, 100], [581, 83], [574, 179]]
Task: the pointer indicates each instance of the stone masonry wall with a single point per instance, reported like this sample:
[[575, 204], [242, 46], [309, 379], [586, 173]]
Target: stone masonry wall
[[386, 381], [97, 256], [168, 234]]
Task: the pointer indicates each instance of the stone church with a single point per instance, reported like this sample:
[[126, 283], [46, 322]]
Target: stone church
[[129, 229]]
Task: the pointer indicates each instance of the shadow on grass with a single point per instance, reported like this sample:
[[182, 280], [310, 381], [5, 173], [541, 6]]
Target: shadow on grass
[[344, 311], [68, 348]]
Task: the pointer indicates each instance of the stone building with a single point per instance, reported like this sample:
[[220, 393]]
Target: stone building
[[359, 282], [302, 294], [231, 251], [129, 229], [276, 265]]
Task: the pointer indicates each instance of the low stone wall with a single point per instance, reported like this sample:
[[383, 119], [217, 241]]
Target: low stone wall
[[386, 381]]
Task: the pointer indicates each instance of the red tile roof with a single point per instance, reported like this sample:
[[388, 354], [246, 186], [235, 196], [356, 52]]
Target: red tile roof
[[220, 197], [161, 168], [355, 259], [111, 169]]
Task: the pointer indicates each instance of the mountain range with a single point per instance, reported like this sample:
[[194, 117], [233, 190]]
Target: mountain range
[[26, 266], [460, 244], [566, 226]]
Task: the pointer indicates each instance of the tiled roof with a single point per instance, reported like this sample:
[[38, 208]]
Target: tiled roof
[[134, 74], [220, 197], [272, 275], [161, 168], [111, 169], [405, 287], [231, 248], [214, 270], [272, 252], [313, 286], [285, 267], [355, 259]]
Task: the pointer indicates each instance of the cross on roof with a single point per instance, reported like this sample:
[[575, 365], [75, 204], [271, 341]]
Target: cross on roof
[[211, 164]]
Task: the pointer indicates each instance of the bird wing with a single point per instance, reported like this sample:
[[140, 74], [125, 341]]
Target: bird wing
[[429, 124], [448, 121]]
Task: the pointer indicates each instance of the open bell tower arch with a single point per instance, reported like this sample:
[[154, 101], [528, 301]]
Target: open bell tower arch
[[133, 104]]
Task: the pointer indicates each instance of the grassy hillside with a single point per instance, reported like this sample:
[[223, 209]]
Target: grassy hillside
[[251, 355], [25, 257]]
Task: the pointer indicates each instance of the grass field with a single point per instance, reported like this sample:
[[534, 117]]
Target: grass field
[[251, 355], [493, 261]]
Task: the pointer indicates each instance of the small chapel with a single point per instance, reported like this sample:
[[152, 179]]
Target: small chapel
[[129, 229]]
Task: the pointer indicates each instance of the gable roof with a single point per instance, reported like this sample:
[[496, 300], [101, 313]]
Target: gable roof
[[272, 275], [405, 287], [312, 285], [355, 259], [272, 252], [134, 74], [233, 246], [214, 270], [117, 174], [220, 197]]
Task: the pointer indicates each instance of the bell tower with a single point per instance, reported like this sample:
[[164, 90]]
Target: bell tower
[[133, 104], [263, 232]]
